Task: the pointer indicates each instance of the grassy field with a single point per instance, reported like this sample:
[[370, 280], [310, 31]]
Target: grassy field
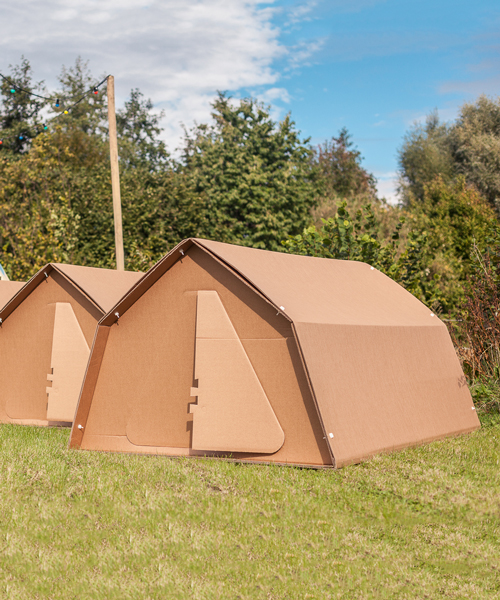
[[423, 523]]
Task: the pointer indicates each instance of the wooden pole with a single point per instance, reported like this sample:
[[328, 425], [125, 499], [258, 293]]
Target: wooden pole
[[115, 176]]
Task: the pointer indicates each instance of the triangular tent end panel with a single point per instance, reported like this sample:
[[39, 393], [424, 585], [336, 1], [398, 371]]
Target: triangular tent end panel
[[44, 344], [195, 367]]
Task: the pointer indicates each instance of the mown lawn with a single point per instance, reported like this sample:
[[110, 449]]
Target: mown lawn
[[423, 523]]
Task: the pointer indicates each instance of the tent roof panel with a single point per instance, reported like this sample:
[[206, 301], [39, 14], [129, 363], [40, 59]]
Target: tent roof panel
[[104, 286], [324, 290]]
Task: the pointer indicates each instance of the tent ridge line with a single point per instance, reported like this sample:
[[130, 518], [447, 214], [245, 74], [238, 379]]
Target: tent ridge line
[[78, 287], [145, 282], [241, 276], [25, 291]]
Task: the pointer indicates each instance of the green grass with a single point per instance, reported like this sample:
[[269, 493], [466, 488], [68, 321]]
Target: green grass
[[423, 523]]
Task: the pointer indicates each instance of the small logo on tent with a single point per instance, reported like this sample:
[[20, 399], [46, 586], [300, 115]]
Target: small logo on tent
[[462, 382]]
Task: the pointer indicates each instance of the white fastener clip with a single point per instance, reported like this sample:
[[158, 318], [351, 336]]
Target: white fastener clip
[[182, 252], [330, 434], [372, 268], [80, 426], [117, 315], [473, 408], [432, 314]]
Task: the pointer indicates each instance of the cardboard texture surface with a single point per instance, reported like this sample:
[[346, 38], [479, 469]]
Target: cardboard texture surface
[[70, 354], [8, 289], [141, 396], [33, 341], [351, 364], [232, 412]]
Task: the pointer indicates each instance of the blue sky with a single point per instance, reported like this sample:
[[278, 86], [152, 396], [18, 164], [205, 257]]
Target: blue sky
[[377, 66], [372, 66]]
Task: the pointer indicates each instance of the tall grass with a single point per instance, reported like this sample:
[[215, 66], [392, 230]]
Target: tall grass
[[477, 333]]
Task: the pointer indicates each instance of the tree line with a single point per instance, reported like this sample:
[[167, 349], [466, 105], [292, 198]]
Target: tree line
[[243, 178]]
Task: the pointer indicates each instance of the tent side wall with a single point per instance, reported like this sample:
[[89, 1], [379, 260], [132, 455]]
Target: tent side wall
[[137, 398], [382, 388], [26, 339]]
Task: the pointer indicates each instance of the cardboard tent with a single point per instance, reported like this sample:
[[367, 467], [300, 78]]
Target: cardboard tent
[[261, 356], [8, 289], [45, 336]]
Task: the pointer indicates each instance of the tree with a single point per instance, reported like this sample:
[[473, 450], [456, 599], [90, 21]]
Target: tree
[[138, 133], [426, 153], [251, 175], [469, 147], [476, 146], [88, 112], [20, 118], [455, 218], [338, 169]]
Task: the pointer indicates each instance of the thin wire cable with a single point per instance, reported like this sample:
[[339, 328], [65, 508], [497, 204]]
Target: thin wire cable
[[18, 88], [65, 110]]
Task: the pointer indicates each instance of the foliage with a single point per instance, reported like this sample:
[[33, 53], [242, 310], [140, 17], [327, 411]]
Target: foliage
[[55, 205], [250, 173], [476, 140], [138, 131], [20, 118], [338, 169], [477, 333], [89, 115], [346, 238], [469, 147], [454, 217], [425, 154]]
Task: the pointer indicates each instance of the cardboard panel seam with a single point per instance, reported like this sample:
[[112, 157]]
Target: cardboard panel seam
[[86, 395], [309, 382]]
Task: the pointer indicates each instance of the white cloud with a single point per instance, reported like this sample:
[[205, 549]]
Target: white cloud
[[178, 52], [301, 12], [387, 186]]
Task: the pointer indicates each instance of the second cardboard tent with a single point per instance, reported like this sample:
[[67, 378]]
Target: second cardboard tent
[[46, 333], [8, 289], [263, 356]]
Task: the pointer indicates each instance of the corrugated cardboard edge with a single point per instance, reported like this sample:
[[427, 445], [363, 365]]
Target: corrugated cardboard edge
[[88, 386]]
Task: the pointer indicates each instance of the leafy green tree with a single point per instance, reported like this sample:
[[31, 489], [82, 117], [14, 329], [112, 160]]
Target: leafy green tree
[[476, 146], [86, 112], [250, 175], [139, 134], [426, 153], [455, 217], [20, 112]]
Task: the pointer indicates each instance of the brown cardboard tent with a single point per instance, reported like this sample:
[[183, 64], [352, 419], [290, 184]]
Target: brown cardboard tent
[[45, 335], [262, 356], [8, 289]]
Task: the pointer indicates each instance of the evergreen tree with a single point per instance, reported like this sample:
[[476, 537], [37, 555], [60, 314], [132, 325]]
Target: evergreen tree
[[251, 176], [20, 112]]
